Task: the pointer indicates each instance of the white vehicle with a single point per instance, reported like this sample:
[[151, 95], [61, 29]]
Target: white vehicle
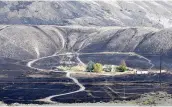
[[142, 72]]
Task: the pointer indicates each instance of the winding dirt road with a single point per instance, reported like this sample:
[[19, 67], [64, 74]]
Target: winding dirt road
[[82, 88], [48, 99]]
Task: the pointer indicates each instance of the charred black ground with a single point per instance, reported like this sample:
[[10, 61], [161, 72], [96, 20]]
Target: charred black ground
[[20, 84]]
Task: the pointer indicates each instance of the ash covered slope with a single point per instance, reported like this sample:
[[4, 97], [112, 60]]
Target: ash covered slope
[[27, 42], [100, 13]]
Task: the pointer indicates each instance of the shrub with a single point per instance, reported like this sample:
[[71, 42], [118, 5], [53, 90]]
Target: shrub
[[78, 68], [90, 66], [98, 67], [122, 67], [63, 68], [149, 101]]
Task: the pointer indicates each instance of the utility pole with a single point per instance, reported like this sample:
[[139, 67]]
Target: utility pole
[[124, 82], [160, 66]]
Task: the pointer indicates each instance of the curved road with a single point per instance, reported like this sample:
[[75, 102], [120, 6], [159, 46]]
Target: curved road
[[48, 99], [82, 88]]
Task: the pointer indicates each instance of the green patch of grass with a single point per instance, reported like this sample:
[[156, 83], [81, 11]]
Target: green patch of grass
[[149, 101], [73, 68]]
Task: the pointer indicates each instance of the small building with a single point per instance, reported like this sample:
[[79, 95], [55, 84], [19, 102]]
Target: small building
[[142, 72], [109, 68]]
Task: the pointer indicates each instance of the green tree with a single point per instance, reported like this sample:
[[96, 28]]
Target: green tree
[[122, 67], [98, 67], [90, 66]]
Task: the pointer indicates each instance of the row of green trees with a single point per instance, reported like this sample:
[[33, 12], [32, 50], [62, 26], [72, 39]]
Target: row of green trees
[[97, 67]]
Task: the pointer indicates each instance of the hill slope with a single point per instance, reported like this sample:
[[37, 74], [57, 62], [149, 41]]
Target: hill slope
[[27, 42], [95, 13]]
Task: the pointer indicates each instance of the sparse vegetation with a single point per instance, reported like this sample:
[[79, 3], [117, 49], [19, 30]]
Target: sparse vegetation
[[122, 67], [63, 68], [149, 101], [98, 67], [74, 68], [78, 68]]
